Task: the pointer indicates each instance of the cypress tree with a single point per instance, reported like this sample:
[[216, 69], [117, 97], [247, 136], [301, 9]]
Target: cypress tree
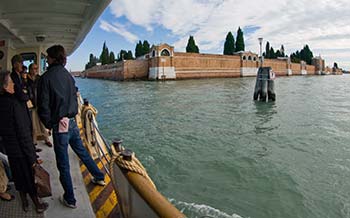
[[239, 40], [278, 54], [138, 49], [308, 55], [129, 55], [111, 58], [103, 54], [229, 46], [92, 62], [272, 53], [335, 65], [145, 47], [104, 57], [267, 50], [305, 54], [191, 46], [282, 51], [121, 55]]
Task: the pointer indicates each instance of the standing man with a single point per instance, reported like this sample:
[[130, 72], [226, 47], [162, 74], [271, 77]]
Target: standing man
[[57, 107], [21, 92]]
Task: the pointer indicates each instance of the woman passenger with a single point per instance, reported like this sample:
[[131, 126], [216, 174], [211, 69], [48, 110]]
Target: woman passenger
[[39, 129], [15, 130]]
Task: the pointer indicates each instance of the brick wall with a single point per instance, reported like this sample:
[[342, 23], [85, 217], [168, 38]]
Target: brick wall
[[193, 65], [135, 69], [296, 68], [278, 66], [311, 70]]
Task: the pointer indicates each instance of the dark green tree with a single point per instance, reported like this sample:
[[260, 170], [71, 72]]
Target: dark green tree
[[308, 55], [121, 55], [272, 53], [278, 54], [335, 65], [104, 57], [267, 50], [145, 47], [139, 49], [282, 51], [229, 46], [239, 40], [111, 58], [92, 62], [191, 46], [305, 54], [129, 56]]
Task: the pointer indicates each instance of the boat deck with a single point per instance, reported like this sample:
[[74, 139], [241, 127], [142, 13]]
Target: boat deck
[[13, 209]]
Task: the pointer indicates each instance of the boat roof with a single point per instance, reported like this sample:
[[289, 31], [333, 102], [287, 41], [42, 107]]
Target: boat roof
[[47, 22]]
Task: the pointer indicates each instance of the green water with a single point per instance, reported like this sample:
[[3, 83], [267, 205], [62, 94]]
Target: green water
[[214, 152]]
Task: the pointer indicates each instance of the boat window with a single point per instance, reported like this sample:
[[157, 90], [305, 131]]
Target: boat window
[[244, 58], [42, 63], [165, 52], [249, 58], [28, 58], [153, 53]]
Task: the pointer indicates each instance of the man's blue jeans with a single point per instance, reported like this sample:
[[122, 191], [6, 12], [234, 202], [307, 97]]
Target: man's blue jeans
[[61, 141]]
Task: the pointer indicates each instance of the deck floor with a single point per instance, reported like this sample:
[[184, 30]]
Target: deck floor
[[13, 209]]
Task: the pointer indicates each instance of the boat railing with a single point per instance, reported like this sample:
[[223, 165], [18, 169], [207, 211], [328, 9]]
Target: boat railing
[[137, 195]]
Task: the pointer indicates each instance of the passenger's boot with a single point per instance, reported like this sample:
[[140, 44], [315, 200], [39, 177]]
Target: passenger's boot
[[40, 207], [25, 204]]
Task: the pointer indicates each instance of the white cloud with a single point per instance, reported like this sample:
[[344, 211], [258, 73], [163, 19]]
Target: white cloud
[[322, 24], [119, 29]]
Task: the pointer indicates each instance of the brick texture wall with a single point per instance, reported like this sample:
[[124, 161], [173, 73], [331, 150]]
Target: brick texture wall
[[278, 66], [192, 65], [135, 69]]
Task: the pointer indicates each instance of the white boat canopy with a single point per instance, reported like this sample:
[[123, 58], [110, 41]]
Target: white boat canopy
[[42, 23]]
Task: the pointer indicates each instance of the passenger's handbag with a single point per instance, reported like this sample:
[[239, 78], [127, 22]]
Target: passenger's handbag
[[42, 181]]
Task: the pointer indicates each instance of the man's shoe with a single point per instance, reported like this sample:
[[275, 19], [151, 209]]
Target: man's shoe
[[65, 203], [98, 182]]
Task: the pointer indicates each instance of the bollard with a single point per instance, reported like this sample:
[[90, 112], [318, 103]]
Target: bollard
[[127, 154], [117, 143], [263, 91], [257, 85], [86, 102], [264, 86], [271, 90]]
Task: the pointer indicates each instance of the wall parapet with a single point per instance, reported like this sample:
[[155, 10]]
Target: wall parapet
[[163, 63]]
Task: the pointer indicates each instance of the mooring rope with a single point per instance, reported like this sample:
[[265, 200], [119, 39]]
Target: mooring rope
[[133, 165]]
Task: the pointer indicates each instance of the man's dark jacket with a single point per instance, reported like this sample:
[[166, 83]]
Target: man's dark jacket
[[57, 96]]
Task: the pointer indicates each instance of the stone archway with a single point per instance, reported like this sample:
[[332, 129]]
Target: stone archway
[[165, 52]]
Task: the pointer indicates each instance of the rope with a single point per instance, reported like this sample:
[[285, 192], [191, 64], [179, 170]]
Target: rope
[[134, 166]]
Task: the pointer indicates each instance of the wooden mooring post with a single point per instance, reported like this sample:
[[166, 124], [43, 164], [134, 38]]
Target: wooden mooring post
[[264, 86]]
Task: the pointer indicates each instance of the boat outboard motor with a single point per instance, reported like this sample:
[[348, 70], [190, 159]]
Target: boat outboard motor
[[264, 86]]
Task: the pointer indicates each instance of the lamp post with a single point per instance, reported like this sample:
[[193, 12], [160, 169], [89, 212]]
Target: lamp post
[[260, 43]]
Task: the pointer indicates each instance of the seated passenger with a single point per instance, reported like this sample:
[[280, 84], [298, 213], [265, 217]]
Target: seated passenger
[[3, 184], [16, 134]]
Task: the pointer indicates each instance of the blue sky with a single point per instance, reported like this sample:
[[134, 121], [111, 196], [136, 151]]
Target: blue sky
[[322, 24]]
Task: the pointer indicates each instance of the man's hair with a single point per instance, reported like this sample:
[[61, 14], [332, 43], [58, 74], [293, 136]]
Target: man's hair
[[57, 53], [16, 58], [4, 76]]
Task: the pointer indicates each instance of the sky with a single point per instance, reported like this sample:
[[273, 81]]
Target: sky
[[324, 25]]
